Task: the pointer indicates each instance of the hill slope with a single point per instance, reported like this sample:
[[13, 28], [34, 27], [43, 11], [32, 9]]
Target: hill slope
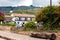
[[20, 9]]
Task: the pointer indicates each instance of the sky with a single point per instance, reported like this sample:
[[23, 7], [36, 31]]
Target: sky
[[44, 2], [26, 2]]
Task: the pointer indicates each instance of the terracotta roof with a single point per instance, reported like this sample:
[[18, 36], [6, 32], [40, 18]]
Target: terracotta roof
[[23, 15], [7, 16]]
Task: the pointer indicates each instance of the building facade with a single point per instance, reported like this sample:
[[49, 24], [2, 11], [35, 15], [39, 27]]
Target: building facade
[[20, 19]]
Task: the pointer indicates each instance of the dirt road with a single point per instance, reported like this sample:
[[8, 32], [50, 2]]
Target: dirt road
[[14, 36]]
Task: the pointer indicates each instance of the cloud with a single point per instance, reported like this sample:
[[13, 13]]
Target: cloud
[[15, 2], [26, 2], [44, 2]]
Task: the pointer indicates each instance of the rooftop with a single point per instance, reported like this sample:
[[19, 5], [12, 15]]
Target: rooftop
[[20, 15], [23, 15]]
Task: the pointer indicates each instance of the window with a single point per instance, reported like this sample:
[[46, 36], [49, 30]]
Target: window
[[28, 19], [33, 19], [18, 22], [22, 19], [16, 18]]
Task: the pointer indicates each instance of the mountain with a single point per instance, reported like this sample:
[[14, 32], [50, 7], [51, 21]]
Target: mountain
[[7, 9]]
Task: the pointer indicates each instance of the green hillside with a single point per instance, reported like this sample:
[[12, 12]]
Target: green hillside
[[20, 9], [28, 11]]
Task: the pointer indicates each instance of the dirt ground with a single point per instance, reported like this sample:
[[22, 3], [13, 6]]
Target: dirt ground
[[26, 32]]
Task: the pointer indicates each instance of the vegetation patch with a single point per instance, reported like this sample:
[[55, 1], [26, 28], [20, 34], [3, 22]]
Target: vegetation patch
[[30, 26], [51, 21]]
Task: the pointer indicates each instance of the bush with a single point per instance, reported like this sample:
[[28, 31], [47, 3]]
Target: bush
[[11, 24], [47, 27], [2, 16], [30, 26], [44, 16]]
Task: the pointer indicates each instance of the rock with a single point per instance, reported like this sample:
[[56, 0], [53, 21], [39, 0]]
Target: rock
[[53, 36], [41, 35]]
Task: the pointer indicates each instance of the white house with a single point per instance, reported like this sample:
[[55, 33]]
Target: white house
[[20, 19]]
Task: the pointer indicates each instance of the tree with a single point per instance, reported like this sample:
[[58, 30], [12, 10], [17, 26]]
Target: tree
[[58, 10], [2, 16], [44, 16]]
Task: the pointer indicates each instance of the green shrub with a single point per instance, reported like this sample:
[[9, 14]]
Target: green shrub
[[46, 27], [11, 24], [49, 21], [30, 26], [2, 16]]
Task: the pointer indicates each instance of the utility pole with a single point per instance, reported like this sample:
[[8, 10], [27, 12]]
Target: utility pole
[[51, 27], [58, 3]]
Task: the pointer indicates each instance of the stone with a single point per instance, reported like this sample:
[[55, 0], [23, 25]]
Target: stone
[[43, 35]]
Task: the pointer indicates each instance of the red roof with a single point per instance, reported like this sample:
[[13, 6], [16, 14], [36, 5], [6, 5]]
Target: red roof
[[24, 15]]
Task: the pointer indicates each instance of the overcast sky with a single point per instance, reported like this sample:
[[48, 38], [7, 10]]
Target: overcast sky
[[26, 2], [44, 2]]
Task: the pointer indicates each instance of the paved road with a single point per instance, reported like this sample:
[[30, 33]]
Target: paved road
[[14, 36]]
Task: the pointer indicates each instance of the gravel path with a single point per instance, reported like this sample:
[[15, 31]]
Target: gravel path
[[14, 36]]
